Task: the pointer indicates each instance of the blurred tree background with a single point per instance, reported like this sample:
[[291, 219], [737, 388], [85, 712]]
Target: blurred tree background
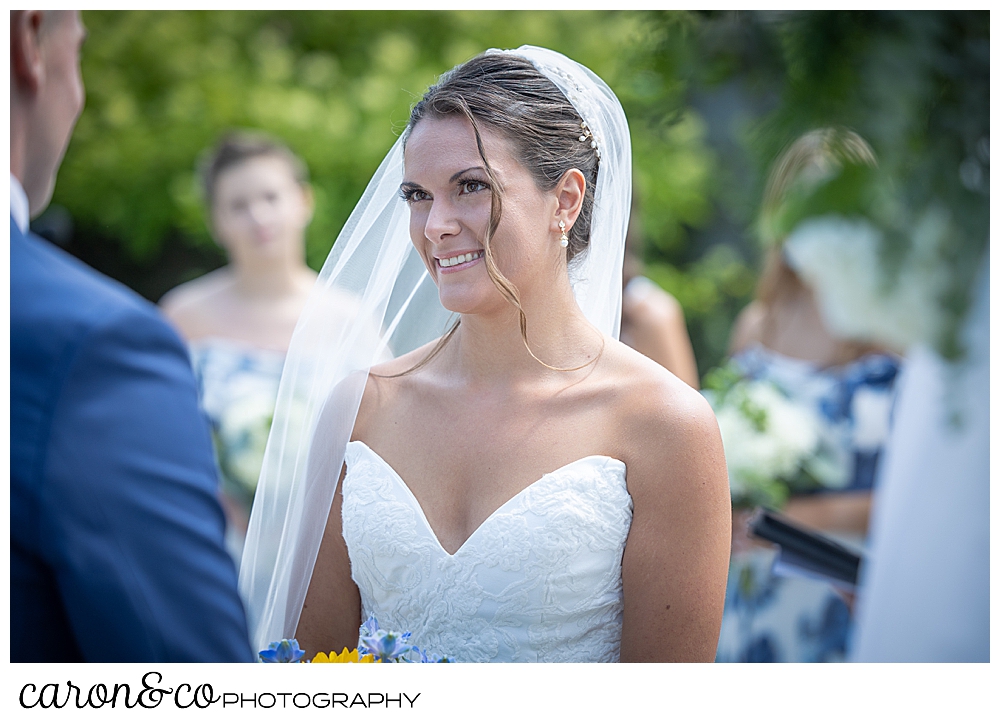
[[712, 98]]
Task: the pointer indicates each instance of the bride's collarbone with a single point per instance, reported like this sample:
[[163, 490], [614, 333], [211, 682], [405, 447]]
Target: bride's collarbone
[[469, 464], [470, 452], [458, 457], [508, 447], [426, 399]]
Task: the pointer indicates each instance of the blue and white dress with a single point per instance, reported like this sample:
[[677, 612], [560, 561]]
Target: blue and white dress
[[238, 386], [769, 618]]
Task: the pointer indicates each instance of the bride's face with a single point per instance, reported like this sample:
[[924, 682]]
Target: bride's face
[[448, 192]]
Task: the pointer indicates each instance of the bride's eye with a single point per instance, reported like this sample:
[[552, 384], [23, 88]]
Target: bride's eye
[[472, 185], [411, 195]]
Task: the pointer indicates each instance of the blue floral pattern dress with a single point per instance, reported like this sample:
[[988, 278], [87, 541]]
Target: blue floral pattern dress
[[772, 618], [237, 386]]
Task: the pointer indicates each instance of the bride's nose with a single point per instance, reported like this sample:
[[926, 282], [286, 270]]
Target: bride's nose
[[441, 222]]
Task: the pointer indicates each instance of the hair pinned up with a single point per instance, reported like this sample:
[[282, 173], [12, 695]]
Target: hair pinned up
[[238, 146]]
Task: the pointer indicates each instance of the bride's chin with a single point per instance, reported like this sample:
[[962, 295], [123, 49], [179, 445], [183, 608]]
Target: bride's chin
[[459, 306], [478, 301]]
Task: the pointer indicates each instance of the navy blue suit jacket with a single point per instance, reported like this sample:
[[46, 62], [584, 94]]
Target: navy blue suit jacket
[[116, 533]]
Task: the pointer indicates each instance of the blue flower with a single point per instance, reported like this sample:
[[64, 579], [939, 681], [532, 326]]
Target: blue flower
[[389, 646], [286, 651], [370, 626], [386, 645], [425, 658]]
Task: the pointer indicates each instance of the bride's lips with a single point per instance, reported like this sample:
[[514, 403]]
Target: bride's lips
[[458, 261]]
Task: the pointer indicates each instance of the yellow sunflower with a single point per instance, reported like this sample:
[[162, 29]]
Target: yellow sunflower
[[346, 656]]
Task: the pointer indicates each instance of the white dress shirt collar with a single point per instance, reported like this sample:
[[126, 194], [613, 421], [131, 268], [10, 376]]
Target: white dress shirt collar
[[18, 204]]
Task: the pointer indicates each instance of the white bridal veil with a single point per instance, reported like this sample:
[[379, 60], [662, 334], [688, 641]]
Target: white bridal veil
[[374, 300]]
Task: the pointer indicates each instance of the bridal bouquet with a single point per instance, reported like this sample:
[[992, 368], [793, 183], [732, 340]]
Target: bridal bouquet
[[375, 645], [774, 446], [288, 651]]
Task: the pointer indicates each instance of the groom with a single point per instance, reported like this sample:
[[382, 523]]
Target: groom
[[116, 534]]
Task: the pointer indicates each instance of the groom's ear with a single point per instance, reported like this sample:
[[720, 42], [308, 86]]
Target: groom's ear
[[569, 195], [27, 65]]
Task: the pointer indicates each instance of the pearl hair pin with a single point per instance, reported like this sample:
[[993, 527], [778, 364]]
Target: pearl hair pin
[[586, 135]]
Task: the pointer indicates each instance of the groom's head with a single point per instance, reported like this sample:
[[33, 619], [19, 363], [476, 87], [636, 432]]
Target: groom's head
[[46, 96]]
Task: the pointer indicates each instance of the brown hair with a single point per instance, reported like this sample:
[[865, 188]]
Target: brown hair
[[236, 147], [806, 162], [507, 94]]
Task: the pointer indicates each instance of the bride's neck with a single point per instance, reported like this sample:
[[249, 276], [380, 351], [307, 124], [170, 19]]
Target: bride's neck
[[491, 349]]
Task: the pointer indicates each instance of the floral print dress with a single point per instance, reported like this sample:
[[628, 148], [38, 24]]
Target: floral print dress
[[237, 386], [773, 618]]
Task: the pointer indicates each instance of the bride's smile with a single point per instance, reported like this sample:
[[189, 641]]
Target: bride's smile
[[458, 262]]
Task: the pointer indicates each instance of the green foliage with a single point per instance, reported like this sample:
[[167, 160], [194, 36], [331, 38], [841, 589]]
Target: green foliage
[[916, 86], [711, 291]]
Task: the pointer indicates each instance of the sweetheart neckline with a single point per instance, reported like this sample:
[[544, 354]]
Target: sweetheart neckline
[[495, 512]]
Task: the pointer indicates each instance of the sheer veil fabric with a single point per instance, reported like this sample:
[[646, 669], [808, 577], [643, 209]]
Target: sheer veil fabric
[[374, 272]]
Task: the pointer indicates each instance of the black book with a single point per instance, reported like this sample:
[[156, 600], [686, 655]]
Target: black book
[[807, 550]]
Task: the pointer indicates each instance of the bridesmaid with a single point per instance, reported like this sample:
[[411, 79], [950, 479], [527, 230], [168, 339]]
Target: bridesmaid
[[780, 336], [238, 320]]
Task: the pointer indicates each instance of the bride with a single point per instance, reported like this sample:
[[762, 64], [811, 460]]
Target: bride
[[513, 483]]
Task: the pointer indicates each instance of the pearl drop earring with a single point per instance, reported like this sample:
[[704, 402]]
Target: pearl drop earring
[[563, 239]]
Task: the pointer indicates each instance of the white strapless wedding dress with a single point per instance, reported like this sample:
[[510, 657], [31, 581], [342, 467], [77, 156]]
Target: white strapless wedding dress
[[539, 581]]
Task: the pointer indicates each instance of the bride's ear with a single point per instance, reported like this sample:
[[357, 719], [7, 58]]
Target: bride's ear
[[569, 192]]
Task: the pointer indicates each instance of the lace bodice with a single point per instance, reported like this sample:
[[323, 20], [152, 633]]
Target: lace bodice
[[539, 580]]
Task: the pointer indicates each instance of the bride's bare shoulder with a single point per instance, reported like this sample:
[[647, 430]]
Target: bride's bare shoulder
[[663, 422], [643, 385]]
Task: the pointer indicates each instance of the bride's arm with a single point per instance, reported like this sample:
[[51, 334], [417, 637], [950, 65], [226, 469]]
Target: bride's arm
[[331, 614], [677, 554]]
